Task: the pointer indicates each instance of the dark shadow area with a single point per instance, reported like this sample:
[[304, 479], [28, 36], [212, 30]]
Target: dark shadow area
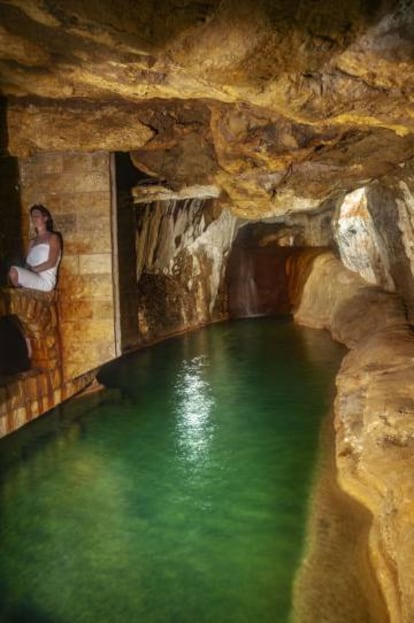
[[26, 614], [127, 176], [11, 244], [14, 357], [256, 273], [256, 278], [4, 134]]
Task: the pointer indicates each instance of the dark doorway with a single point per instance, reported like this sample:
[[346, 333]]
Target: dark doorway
[[127, 176]]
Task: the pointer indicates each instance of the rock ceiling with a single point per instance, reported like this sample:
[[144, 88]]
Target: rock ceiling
[[280, 104]]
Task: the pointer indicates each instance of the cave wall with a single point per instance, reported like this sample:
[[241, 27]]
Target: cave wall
[[373, 229], [361, 247], [77, 190], [374, 414], [391, 205], [181, 249]]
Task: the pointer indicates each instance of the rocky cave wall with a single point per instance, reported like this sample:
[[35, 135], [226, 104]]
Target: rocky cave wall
[[366, 228], [373, 231], [374, 414], [181, 250]]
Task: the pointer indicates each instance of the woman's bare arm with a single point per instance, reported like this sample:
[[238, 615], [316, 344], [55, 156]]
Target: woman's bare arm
[[29, 246]]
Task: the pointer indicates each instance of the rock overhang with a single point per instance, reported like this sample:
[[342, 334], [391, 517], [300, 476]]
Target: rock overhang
[[281, 105]]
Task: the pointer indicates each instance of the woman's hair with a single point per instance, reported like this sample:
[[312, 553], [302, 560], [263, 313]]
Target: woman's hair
[[45, 212]]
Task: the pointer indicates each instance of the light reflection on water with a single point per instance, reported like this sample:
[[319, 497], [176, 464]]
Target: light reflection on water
[[193, 409]]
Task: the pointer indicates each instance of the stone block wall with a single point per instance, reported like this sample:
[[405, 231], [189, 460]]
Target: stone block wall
[[76, 188], [27, 395]]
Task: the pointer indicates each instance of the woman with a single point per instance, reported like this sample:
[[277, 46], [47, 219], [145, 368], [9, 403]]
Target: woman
[[43, 255]]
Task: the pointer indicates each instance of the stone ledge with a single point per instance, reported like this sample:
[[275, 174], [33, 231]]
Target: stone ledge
[[10, 295], [33, 393]]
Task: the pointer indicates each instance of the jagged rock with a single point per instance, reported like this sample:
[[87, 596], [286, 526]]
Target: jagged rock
[[279, 104]]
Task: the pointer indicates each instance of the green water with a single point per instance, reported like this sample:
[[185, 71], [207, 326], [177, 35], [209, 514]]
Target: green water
[[182, 497]]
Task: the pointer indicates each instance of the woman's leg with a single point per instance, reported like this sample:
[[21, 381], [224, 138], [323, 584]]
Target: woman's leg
[[23, 278]]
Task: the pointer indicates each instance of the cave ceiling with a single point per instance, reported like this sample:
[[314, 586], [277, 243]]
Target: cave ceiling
[[279, 104]]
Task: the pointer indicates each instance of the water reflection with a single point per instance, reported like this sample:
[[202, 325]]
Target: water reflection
[[193, 406], [183, 502]]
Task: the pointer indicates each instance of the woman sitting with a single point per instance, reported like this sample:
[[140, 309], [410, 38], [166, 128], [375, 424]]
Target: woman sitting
[[43, 257]]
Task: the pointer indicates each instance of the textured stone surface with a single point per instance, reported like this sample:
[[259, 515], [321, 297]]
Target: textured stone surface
[[181, 253], [359, 245], [374, 415], [27, 395], [374, 234], [279, 104], [336, 562], [76, 188]]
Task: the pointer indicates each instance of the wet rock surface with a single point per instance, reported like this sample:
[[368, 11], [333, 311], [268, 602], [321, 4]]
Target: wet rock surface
[[374, 415]]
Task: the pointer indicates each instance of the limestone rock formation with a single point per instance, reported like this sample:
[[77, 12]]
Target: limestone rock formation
[[181, 249], [374, 415], [280, 104]]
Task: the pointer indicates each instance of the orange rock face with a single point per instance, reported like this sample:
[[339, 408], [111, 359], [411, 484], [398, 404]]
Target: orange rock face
[[280, 104], [374, 415]]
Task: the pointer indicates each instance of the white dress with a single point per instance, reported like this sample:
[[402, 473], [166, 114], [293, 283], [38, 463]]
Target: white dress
[[46, 279]]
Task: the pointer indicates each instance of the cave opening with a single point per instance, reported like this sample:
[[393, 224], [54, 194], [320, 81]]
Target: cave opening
[[257, 273], [184, 260]]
